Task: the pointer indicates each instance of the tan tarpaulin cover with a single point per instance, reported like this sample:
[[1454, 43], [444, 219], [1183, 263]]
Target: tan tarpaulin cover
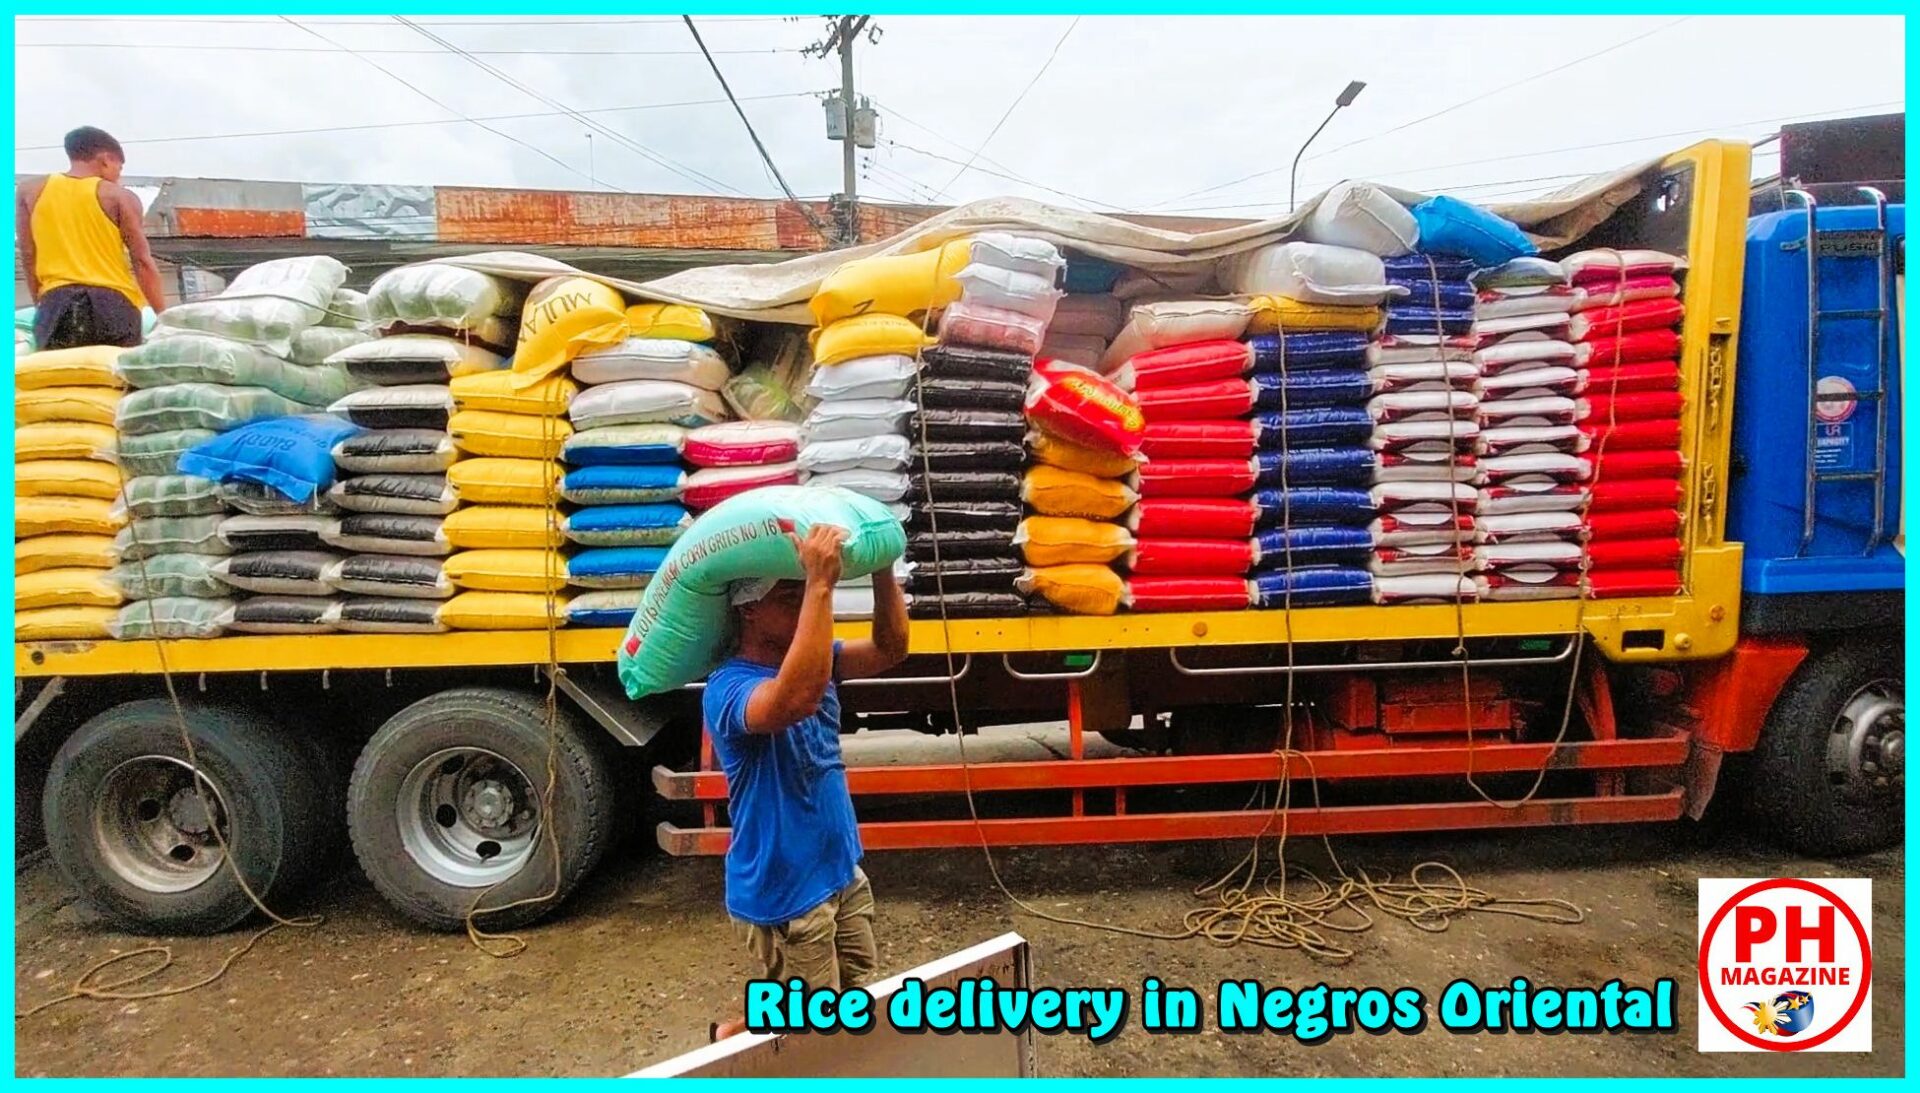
[[779, 292]]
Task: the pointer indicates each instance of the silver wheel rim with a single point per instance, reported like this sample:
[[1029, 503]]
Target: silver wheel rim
[[1866, 747], [468, 817], [152, 830]]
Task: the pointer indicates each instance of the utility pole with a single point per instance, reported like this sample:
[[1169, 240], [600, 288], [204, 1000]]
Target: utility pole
[[849, 119]]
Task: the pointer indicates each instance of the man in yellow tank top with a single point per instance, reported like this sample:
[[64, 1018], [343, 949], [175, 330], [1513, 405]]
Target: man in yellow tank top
[[87, 261]]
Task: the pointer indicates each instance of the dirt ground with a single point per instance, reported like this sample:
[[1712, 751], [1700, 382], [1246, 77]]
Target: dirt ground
[[635, 967]]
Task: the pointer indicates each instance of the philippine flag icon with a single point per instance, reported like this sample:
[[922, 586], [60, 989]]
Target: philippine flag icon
[[1788, 1014]]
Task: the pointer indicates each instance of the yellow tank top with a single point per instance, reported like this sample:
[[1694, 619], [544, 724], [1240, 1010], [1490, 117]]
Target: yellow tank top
[[76, 243]]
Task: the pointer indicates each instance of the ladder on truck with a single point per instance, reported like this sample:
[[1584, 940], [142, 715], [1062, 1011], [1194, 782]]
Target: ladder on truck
[[1816, 318]]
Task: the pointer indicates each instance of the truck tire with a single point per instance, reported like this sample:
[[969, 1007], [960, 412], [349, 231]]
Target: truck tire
[[126, 827], [444, 808], [1826, 778]]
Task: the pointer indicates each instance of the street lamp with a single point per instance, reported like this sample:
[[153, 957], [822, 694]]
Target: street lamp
[[1345, 99]]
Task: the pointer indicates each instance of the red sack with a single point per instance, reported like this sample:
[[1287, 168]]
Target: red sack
[[1187, 594], [1612, 292], [1195, 478], [1198, 401], [742, 444], [1199, 440], [1193, 518], [1626, 464], [1647, 345], [1190, 557], [1603, 409], [1616, 554], [1624, 494], [1633, 524], [1178, 365], [1621, 379], [1631, 435], [1608, 322], [1633, 582], [1084, 407], [707, 488]]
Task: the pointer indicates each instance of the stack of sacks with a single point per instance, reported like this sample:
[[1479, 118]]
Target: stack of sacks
[[67, 488], [968, 426], [274, 562], [1316, 304], [1424, 414], [1625, 332], [643, 401], [1532, 476], [1085, 440], [856, 438], [1089, 316], [213, 367], [395, 483]]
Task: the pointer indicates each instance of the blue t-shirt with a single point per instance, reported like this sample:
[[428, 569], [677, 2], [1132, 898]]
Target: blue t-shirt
[[795, 843]]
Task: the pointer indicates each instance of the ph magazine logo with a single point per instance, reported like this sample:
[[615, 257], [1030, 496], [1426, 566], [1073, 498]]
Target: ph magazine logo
[[1786, 965]]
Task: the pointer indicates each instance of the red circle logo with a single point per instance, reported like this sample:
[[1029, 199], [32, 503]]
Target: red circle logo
[[1788, 1041]]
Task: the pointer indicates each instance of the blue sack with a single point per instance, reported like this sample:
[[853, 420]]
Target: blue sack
[[1453, 295], [623, 483], [1409, 268], [615, 567], [628, 525], [1087, 274], [293, 455], [1308, 349], [1315, 467], [610, 608], [1306, 390], [1312, 587], [1321, 427], [1424, 320], [1313, 505], [1449, 225], [624, 444], [1298, 547]]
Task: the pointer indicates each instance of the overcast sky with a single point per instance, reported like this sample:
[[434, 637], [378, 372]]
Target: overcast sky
[[1158, 114]]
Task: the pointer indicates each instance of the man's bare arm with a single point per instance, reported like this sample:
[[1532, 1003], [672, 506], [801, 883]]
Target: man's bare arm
[[887, 647], [128, 215], [23, 233]]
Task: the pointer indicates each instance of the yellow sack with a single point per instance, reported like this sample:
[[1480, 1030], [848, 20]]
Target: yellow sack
[[63, 551], [867, 336], [65, 440], [1065, 454], [496, 481], [65, 588], [689, 324], [1055, 492], [1069, 540], [66, 478], [1275, 313], [94, 405], [508, 570], [63, 624], [513, 436], [72, 515], [565, 316], [503, 527], [1081, 589], [85, 366], [503, 611], [509, 394], [897, 284]]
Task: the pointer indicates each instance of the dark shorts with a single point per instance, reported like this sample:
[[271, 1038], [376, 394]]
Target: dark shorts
[[76, 315]]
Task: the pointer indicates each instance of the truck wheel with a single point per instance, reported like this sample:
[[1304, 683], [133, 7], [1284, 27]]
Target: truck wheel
[[1828, 777], [125, 824], [445, 808]]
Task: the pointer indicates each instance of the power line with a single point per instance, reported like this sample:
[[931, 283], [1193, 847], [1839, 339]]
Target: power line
[[765, 157], [241, 48], [558, 22], [996, 174], [697, 177], [1008, 172], [1011, 107], [1445, 110], [416, 89], [436, 121]]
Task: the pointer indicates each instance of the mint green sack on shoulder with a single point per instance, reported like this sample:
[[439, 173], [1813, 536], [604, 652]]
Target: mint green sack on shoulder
[[683, 625]]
